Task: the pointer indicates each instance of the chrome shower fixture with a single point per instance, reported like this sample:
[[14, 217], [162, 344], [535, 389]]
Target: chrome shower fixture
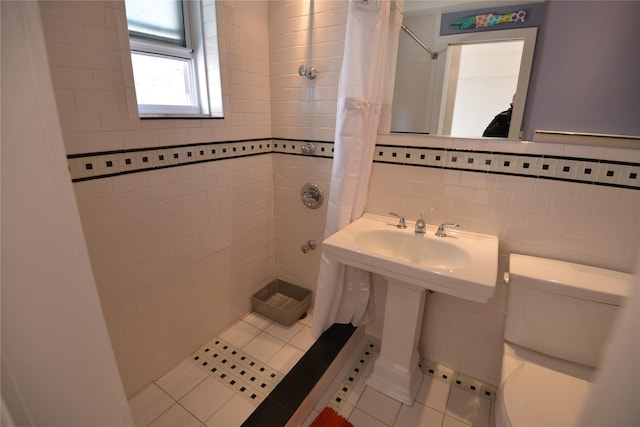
[[308, 148], [309, 246], [310, 73], [311, 196]]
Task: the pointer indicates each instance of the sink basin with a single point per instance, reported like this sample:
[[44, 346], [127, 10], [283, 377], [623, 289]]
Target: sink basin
[[463, 264], [413, 249]]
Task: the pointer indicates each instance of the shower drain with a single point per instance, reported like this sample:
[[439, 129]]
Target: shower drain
[[237, 370]]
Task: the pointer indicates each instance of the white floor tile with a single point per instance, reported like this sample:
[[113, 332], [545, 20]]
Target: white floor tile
[[206, 398], [285, 358], [232, 414], [379, 405], [149, 405], [453, 422], [285, 333], [361, 419], [263, 347], [176, 416], [468, 407], [257, 320], [240, 334], [433, 393], [418, 415], [308, 318], [303, 339], [178, 381], [202, 399]]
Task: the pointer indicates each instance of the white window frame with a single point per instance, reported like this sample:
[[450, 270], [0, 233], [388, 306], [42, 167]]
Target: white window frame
[[193, 54]]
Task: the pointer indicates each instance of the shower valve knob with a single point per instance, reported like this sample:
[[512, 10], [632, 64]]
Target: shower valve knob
[[308, 148], [310, 245]]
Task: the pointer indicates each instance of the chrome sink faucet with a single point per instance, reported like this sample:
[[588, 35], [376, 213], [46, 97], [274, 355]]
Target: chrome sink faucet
[[401, 223], [441, 229], [421, 226]]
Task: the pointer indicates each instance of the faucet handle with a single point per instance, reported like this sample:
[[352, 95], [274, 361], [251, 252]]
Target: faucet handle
[[441, 229], [421, 226], [401, 223]]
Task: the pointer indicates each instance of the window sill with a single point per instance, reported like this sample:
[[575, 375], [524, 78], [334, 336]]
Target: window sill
[[178, 116]]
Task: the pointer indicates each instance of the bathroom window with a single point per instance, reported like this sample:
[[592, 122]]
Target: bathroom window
[[168, 51]]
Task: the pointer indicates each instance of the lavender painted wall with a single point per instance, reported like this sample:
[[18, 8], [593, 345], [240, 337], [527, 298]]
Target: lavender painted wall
[[585, 73]]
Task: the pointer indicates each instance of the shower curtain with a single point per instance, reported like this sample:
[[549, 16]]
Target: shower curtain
[[343, 294]]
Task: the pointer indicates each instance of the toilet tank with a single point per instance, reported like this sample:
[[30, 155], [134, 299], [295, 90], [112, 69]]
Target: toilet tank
[[563, 309]]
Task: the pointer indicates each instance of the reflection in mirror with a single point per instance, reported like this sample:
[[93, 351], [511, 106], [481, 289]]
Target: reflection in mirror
[[484, 78], [475, 77]]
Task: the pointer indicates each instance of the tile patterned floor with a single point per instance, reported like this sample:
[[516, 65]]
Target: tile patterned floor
[[192, 395]]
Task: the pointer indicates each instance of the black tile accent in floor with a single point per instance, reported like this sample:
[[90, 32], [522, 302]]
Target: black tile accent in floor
[[283, 401]]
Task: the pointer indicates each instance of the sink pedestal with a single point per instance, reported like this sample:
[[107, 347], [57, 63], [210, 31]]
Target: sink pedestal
[[396, 372]]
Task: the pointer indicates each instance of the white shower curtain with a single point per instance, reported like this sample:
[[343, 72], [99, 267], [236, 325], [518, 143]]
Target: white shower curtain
[[343, 294]]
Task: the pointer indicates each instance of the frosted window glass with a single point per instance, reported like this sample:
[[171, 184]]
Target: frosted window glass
[[156, 20]]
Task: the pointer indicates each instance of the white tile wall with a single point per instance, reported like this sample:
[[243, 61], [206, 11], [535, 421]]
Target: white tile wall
[[90, 65], [294, 223], [162, 245], [176, 252], [310, 34]]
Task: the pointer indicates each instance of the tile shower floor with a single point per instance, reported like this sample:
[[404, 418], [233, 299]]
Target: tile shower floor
[[224, 381]]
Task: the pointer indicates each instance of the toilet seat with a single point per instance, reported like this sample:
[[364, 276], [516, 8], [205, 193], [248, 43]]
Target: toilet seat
[[533, 395]]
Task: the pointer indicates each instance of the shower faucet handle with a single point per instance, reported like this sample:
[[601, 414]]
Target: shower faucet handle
[[421, 226], [401, 223], [308, 148]]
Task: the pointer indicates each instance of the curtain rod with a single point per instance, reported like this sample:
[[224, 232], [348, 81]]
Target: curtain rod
[[434, 55]]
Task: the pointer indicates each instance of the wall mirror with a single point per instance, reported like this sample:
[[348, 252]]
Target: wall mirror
[[456, 84]]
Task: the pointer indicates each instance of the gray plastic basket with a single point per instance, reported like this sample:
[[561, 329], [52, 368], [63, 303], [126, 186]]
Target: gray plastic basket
[[282, 302]]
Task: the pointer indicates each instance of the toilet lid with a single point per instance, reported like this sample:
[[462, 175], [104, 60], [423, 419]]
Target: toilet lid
[[538, 396]]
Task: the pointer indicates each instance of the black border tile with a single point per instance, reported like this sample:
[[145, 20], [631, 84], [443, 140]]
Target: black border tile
[[283, 401]]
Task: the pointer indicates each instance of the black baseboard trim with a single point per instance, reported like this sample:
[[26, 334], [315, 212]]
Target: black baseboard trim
[[283, 401]]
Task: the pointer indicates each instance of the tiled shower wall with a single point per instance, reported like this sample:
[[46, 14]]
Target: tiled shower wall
[[176, 252], [311, 34]]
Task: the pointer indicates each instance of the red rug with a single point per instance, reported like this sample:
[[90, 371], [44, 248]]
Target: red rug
[[330, 418]]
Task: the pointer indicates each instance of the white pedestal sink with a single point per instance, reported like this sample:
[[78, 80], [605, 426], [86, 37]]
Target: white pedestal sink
[[396, 372], [463, 264]]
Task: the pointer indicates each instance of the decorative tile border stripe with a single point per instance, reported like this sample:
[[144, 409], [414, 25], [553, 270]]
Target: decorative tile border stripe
[[89, 166], [583, 170], [456, 379], [101, 165], [243, 373], [370, 349], [294, 146], [588, 171]]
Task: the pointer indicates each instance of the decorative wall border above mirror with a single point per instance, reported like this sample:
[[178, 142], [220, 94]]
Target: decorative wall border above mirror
[[467, 21]]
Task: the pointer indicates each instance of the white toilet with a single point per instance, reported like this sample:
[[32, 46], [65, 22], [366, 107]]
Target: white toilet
[[559, 316]]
